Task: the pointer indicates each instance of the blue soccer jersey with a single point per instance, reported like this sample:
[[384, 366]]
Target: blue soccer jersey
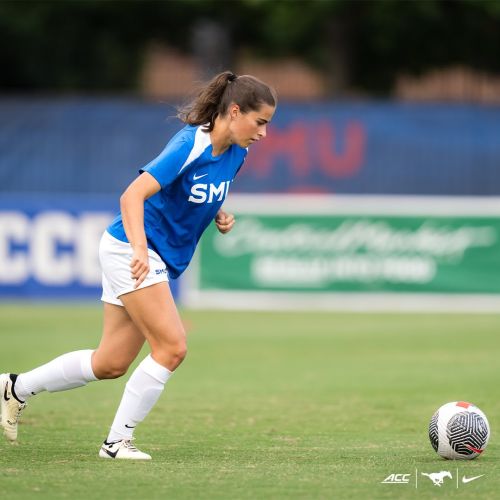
[[194, 184]]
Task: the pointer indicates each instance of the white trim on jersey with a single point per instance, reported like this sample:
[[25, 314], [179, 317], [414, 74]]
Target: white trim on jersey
[[201, 142]]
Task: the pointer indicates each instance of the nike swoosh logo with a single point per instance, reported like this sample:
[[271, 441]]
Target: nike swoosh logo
[[475, 450], [130, 426], [112, 454], [466, 480], [5, 394], [196, 177]]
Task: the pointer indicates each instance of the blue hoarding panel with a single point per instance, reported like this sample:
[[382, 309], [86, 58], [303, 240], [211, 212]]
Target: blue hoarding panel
[[378, 149], [49, 245], [92, 145]]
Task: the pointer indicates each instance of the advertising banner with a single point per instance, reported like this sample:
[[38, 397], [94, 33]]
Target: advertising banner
[[349, 245], [95, 145], [49, 245]]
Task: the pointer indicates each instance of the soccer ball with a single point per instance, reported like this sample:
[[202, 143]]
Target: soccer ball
[[459, 431]]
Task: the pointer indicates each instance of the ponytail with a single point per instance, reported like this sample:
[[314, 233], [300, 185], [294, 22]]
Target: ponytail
[[225, 88]]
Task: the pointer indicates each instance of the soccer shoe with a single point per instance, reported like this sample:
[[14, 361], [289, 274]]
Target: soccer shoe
[[11, 408], [122, 449]]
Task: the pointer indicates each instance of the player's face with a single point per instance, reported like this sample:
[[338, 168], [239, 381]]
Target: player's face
[[247, 128]]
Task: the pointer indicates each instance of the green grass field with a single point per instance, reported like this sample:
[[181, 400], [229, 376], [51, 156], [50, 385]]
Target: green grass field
[[266, 405]]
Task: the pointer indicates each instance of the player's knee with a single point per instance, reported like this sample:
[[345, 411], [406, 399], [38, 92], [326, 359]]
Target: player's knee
[[171, 355], [176, 353], [180, 352], [112, 370]]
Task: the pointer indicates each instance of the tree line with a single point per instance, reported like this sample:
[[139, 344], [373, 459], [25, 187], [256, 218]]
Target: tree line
[[98, 45]]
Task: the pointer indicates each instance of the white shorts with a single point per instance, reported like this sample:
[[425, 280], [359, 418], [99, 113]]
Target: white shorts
[[115, 257]]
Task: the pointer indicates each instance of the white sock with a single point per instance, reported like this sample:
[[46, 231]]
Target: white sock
[[68, 371], [141, 393]]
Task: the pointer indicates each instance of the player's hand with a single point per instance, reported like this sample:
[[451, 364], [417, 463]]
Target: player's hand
[[224, 221], [139, 265]]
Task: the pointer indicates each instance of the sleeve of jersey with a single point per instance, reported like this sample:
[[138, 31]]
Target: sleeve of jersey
[[166, 166]]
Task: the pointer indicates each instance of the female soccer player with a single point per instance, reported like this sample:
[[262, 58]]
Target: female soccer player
[[164, 211]]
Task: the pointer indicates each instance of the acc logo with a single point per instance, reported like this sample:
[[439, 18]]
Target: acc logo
[[397, 479]]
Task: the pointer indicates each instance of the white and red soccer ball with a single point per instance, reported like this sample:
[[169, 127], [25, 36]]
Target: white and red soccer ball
[[459, 431]]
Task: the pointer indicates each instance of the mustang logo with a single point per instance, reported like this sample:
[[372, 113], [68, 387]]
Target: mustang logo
[[438, 477]]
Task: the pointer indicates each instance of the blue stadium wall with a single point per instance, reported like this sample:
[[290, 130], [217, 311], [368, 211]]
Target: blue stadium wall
[[64, 162]]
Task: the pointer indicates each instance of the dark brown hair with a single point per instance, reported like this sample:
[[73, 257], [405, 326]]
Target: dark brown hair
[[213, 100]]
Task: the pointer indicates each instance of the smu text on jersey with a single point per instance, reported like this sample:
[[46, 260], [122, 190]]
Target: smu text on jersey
[[207, 193]]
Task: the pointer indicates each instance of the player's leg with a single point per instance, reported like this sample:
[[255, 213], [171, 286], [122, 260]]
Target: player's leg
[[154, 313], [121, 342], [71, 370]]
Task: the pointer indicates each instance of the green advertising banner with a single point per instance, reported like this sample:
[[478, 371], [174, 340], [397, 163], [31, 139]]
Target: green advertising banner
[[395, 251]]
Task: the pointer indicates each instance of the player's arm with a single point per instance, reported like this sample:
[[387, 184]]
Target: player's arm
[[224, 221], [132, 209]]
